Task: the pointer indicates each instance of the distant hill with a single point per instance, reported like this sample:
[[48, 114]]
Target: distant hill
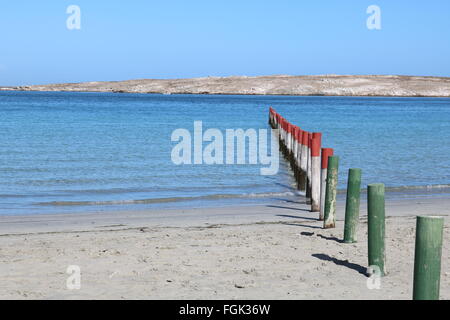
[[323, 85]]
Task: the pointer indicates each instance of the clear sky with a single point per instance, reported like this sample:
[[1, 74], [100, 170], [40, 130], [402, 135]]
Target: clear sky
[[132, 39]]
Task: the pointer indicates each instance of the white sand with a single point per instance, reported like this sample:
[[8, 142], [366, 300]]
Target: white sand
[[246, 252]]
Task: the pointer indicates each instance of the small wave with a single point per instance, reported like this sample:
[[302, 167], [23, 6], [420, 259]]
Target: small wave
[[13, 196], [419, 188], [426, 187], [165, 200], [157, 189]]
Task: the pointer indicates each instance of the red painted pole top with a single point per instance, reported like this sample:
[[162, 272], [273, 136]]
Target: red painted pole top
[[297, 134], [326, 152], [294, 132], [315, 147], [317, 135], [305, 138]]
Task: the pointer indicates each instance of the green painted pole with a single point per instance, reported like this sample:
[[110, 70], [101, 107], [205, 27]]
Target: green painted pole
[[330, 193], [352, 205], [376, 224], [427, 261]]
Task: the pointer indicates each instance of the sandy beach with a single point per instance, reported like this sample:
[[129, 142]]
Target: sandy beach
[[177, 152], [275, 251]]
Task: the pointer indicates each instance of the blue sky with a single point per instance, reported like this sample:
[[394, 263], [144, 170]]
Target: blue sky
[[133, 39]]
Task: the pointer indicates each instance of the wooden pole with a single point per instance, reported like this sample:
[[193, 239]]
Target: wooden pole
[[288, 139], [296, 155], [352, 205], [271, 121], [315, 173], [330, 194], [304, 160], [376, 226], [308, 170], [299, 159], [326, 152], [282, 135], [427, 261]]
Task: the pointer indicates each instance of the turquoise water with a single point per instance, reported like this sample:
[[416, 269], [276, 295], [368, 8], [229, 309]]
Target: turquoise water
[[71, 152]]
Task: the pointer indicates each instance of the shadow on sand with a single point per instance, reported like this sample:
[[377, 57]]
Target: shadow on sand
[[360, 269], [292, 201], [296, 217], [302, 225], [330, 238], [288, 208]]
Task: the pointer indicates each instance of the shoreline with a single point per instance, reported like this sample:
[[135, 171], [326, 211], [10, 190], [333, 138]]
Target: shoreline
[[203, 216], [255, 252], [413, 193], [282, 85], [233, 94]]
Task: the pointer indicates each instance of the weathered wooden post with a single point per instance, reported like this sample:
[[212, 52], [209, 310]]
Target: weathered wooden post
[[304, 160], [330, 194], [299, 158], [298, 146], [289, 140], [376, 226], [278, 127], [309, 169], [282, 136], [271, 120], [294, 149], [352, 205], [315, 173], [294, 141], [427, 261], [326, 152]]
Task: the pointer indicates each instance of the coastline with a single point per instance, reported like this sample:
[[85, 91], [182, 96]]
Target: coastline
[[275, 251], [223, 159], [321, 85], [224, 200]]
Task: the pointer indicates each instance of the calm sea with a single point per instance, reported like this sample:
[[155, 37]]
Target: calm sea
[[73, 152]]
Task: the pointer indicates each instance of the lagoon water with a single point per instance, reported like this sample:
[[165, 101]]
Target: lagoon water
[[77, 152]]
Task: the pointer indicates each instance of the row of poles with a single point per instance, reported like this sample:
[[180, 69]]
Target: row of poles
[[316, 174]]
